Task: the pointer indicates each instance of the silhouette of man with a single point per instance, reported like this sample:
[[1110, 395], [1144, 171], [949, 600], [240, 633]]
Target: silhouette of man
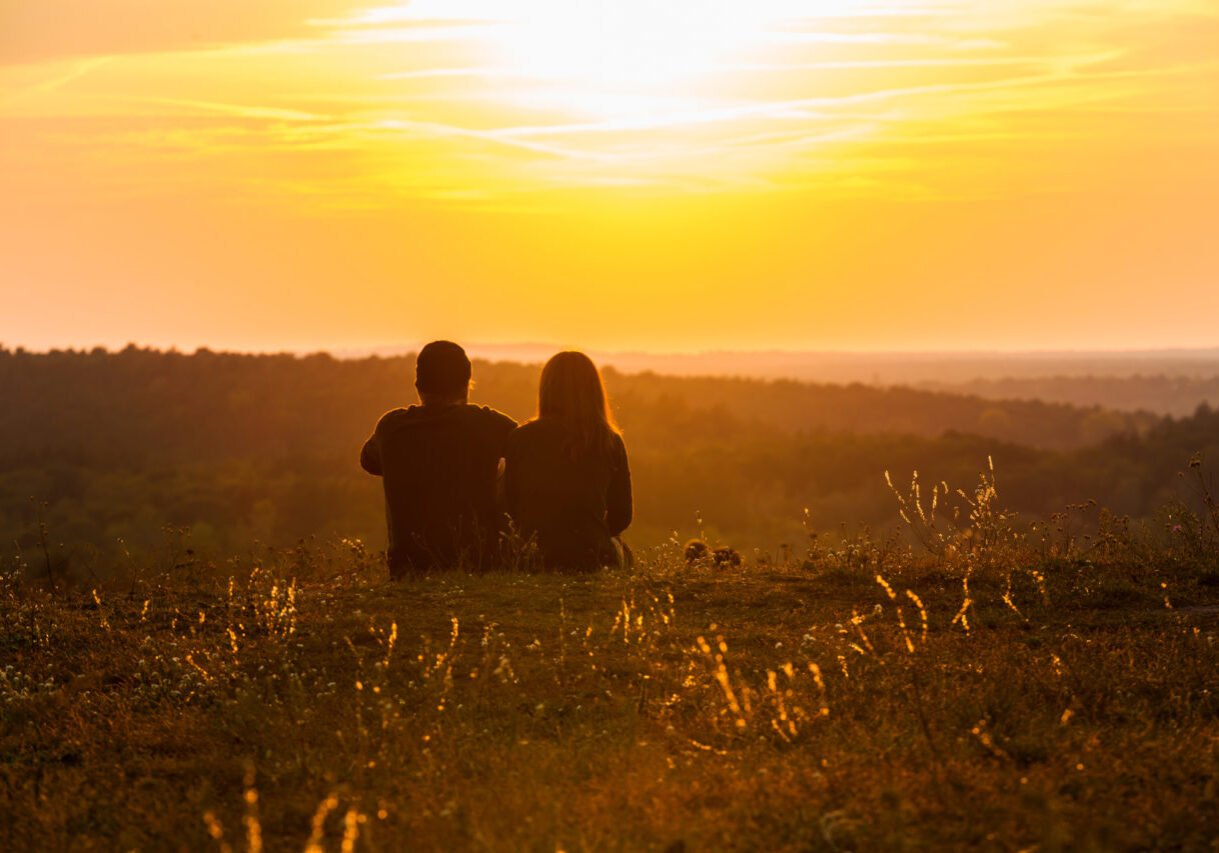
[[438, 462]]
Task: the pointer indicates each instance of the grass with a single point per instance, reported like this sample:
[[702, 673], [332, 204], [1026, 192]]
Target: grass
[[992, 691]]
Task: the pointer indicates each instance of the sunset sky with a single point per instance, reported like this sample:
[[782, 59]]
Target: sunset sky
[[685, 175]]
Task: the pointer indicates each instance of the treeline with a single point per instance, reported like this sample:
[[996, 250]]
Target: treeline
[[1162, 394], [138, 406], [241, 448]]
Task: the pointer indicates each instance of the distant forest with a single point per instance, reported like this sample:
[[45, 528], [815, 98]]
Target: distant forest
[[1162, 394], [108, 449]]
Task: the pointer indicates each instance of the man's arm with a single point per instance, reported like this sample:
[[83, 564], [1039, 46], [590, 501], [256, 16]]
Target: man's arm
[[509, 485], [505, 501], [370, 456], [503, 426]]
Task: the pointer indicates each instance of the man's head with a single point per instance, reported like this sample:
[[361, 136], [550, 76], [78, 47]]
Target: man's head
[[442, 373]]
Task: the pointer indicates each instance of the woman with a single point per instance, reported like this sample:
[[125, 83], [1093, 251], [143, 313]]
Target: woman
[[566, 479]]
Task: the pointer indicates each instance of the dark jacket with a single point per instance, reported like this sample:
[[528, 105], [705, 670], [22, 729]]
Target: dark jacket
[[439, 466], [573, 504]]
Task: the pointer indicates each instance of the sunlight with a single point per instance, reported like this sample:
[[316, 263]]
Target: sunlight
[[625, 45], [635, 41]]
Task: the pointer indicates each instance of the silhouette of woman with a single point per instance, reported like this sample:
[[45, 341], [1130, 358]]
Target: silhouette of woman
[[566, 479]]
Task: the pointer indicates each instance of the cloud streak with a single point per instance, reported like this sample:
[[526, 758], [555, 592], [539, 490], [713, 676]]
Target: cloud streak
[[425, 98]]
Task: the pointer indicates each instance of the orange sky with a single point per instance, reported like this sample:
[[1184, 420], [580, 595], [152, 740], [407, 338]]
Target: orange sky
[[886, 174]]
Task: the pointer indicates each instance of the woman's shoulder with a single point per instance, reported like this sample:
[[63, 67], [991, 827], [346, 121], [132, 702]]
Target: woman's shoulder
[[617, 446], [543, 433], [530, 431]]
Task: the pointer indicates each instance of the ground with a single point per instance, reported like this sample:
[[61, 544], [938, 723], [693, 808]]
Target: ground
[[299, 700]]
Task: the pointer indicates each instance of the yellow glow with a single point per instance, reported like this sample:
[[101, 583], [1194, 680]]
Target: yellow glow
[[637, 60], [666, 174], [632, 42]]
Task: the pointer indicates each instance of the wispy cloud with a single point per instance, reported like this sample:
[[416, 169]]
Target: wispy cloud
[[45, 30], [435, 98], [233, 109], [56, 77]]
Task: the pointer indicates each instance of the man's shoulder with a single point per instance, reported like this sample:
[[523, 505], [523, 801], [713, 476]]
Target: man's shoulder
[[492, 417], [394, 416]]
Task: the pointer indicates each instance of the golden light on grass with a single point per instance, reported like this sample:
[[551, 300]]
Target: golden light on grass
[[639, 741]]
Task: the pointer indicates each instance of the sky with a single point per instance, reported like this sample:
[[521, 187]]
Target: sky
[[679, 176]]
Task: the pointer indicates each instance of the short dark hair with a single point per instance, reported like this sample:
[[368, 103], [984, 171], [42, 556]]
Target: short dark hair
[[442, 367]]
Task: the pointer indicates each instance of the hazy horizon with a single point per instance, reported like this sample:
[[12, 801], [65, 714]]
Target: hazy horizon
[[529, 346], [949, 369]]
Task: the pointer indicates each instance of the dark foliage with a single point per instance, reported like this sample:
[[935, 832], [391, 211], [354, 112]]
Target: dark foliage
[[235, 448]]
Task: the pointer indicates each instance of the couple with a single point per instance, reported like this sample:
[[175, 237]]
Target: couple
[[566, 484]]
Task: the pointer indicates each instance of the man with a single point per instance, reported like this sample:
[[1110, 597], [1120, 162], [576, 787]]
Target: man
[[439, 462]]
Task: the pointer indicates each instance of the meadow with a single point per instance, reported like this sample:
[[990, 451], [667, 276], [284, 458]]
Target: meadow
[[968, 681]]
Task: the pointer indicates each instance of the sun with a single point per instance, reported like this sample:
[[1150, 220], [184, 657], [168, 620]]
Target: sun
[[632, 42], [620, 59], [623, 42]]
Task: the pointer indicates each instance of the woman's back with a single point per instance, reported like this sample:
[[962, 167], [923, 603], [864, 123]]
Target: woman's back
[[573, 499]]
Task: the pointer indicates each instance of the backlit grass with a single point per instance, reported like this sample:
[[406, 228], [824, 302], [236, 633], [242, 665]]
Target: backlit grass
[[989, 689]]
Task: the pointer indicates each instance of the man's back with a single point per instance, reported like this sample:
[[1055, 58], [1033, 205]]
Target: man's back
[[439, 466]]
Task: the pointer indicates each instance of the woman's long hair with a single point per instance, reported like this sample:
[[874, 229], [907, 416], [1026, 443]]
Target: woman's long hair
[[572, 395]]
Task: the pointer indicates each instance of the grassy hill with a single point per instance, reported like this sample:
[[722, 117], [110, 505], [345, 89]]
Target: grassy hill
[[992, 688], [1031, 672]]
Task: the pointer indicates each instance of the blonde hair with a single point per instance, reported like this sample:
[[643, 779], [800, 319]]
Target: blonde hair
[[572, 395]]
